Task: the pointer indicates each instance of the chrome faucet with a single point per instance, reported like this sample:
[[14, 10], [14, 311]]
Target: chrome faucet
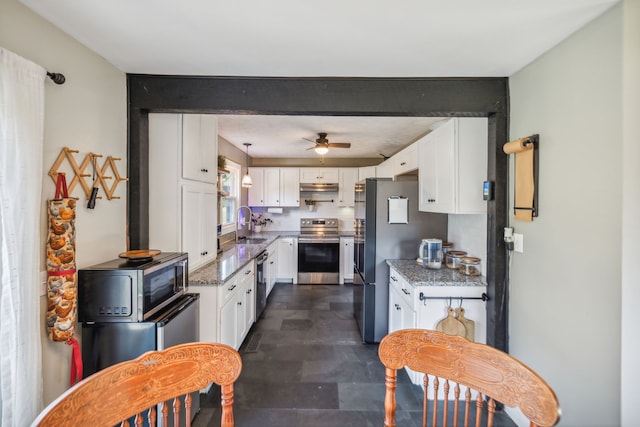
[[247, 219]]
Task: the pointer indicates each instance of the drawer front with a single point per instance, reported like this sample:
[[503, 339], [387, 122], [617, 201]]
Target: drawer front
[[228, 290], [403, 287]]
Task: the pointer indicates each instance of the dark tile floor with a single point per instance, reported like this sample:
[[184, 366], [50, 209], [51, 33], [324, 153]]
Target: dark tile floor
[[304, 364]]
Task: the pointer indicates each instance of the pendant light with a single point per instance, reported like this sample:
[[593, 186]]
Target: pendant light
[[247, 182]]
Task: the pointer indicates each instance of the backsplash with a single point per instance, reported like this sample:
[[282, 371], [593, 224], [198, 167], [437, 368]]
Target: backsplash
[[289, 219]]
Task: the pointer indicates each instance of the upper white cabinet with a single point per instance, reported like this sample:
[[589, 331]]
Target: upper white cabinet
[[346, 186], [289, 187], [274, 187], [453, 167], [182, 210], [385, 169], [318, 175], [366, 172], [200, 147], [406, 160]]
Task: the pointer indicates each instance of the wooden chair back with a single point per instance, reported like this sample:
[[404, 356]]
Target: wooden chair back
[[113, 395], [449, 362]]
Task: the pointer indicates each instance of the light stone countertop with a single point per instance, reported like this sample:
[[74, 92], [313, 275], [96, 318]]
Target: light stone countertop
[[237, 255], [416, 275]]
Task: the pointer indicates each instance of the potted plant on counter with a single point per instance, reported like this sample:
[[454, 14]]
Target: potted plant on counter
[[259, 220], [310, 204]]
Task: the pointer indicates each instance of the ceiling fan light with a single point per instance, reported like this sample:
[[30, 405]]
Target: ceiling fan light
[[321, 150], [247, 182]]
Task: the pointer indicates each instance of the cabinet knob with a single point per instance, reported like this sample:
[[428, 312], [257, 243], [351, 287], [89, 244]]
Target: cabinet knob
[[239, 302], [398, 307]]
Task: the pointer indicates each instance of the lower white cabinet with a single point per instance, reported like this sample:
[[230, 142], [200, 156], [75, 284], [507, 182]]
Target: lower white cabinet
[[271, 267], [424, 307], [287, 259], [228, 310], [346, 260]]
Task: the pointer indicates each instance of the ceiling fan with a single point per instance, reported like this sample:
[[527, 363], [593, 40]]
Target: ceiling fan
[[322, 144]]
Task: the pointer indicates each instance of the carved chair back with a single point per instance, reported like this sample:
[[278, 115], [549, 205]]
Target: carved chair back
[[155, 379], [453, 367]]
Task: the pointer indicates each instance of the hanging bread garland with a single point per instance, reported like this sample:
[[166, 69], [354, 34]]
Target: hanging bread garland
[[61, 264]]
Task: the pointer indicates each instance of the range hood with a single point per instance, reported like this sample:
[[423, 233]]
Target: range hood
[[319, 187]]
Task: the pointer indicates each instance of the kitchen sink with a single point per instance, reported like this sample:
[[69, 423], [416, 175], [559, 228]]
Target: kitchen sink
[[252, 240]]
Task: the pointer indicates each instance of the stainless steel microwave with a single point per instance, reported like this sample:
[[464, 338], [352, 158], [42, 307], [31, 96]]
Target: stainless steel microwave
[[121, 290]]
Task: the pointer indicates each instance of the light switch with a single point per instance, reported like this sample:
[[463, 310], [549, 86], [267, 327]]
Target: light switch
[[518, 242]]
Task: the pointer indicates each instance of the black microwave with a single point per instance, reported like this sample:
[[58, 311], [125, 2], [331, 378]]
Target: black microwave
[[121, 290]]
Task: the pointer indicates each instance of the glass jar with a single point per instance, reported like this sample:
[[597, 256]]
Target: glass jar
[[446, 247], [453, 259], [470, 266]]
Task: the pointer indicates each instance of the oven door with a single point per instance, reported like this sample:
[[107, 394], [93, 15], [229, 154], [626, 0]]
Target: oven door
[[318, 260]]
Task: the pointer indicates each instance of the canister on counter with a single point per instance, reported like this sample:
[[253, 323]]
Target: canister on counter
[[470, 266], [453, 259], [446, 247]]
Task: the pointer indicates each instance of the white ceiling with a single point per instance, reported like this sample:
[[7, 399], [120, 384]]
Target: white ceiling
[[344, 38]]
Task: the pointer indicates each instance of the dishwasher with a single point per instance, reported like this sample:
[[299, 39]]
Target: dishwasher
[[261, 283]]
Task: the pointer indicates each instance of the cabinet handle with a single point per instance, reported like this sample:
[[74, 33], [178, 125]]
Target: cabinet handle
[[204, 170], [398, 307], [394, 279], [239, 302], [271, 262], [247, 272], [249, 291], [232, 288], [431, 200], [406, 292], [403, 163]]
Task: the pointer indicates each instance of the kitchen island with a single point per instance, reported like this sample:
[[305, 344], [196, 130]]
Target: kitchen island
[[422, 298]]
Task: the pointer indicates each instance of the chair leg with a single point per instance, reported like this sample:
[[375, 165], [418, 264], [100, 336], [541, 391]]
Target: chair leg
[[226, 392], [390, 380]]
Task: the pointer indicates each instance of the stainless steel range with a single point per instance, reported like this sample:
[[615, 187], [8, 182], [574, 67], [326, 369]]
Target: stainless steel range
[[319, 251]]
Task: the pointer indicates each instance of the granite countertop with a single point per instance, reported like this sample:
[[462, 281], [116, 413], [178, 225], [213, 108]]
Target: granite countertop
[[234, 257], [416, 275]]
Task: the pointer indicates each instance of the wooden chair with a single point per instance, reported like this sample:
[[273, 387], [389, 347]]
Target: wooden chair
[[119, 392], [446, 360]]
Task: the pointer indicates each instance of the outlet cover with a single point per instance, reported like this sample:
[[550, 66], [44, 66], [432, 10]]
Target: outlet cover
[[518, 242]]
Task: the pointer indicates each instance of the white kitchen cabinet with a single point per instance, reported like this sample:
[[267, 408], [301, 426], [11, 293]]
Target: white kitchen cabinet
[[199, 203], [366, 172], [290, 187], [424, 306], [346, 260], [406, 160], [271, 267], [274, 187], [248, 308], [318, 175], [347, 178], [200, 147], [237, 307], [385, 169], [182, 212], [453, 167], [288, 259]]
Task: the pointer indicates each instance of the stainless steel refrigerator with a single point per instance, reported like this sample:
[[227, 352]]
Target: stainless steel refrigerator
[[383, 230]]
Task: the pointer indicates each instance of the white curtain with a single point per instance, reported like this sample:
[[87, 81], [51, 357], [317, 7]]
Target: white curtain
[[21, 171]]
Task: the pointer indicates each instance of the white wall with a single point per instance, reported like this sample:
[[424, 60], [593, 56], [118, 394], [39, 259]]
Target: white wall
[[87, 113], [469, 233], [630, 372], [565, 288]]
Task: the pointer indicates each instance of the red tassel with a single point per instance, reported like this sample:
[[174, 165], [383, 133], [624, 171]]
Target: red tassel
[[61, 186], [76, 362]]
